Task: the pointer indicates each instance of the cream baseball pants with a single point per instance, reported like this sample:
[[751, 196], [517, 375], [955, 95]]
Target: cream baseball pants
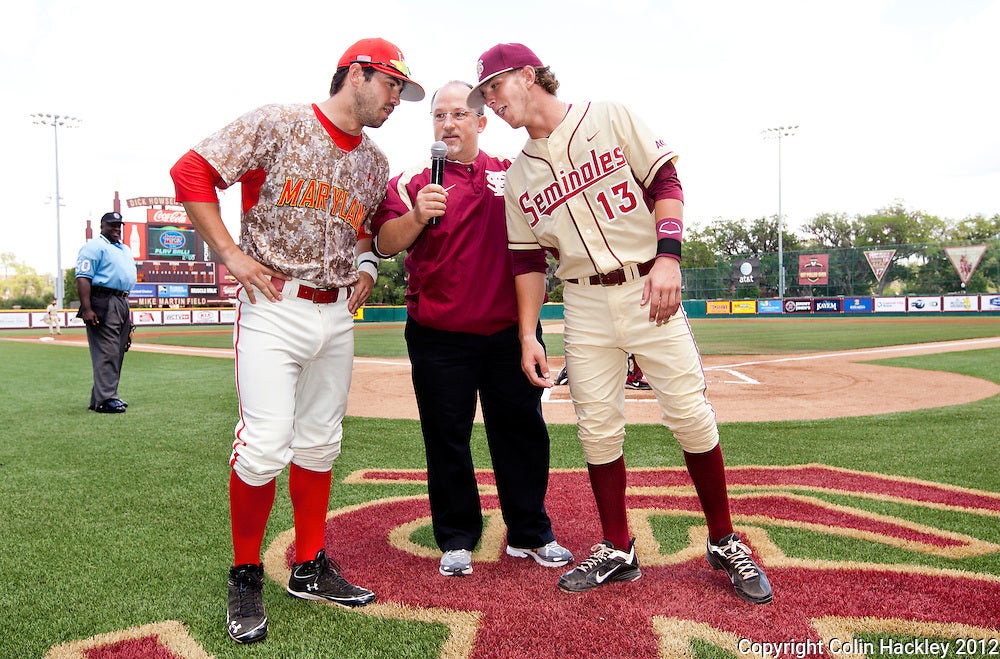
[[603, 324]]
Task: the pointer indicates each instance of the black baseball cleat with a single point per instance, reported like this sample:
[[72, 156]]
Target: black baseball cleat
[[113, 406], [246, 620], [605, 564], [319, 579], [638, 383], [748, 579]]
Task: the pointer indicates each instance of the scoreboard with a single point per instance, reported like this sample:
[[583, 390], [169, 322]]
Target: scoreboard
[[174, 265]]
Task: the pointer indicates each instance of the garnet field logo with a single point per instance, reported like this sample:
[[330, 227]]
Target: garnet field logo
[[862, 564]]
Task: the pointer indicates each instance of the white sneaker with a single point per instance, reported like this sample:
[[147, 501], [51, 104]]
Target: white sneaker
[[551, 555], [456, 563]]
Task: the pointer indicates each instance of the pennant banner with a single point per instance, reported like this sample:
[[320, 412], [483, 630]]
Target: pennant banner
[[965, 260], [879, 261]]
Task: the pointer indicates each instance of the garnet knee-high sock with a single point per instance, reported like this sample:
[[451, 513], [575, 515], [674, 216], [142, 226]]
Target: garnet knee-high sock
[[310, 494], [709, 475], [249, 508], [608, 483]]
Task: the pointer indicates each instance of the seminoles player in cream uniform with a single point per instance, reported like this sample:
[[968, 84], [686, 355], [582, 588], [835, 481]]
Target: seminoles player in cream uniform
[[596, 185], [311, 180]]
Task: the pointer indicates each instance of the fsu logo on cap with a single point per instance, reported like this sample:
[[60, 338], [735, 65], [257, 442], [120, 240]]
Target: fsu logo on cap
[[479, 69]]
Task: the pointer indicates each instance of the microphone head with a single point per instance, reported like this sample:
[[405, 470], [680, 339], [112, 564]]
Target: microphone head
[[439, 150]]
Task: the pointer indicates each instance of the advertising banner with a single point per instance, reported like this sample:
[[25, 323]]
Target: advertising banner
[[746, 271], [827, 305], [923, 303], [717, 307], [164, 216], [143, 290], [965, 260], [989, 302], [134, 235], [799, 305], [177, 317], [814, 269], [147, 317], [768, 306], [960, 303], [890, 304], [744, 306], [859, 305], [172, 290], [15, 319], [879, 260], [205, 316], [171, 243], [203, 291]]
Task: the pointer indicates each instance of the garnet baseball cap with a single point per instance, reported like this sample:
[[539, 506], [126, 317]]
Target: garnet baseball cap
[[114, 217], [501, 58], [387, 58]]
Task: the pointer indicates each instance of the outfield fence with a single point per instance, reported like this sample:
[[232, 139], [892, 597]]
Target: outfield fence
[[928, 305]]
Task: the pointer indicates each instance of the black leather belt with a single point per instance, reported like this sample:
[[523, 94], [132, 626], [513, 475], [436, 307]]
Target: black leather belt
[[103, 291], [615, 278]]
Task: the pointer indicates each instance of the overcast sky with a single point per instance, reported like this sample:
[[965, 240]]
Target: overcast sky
[[894, 99]]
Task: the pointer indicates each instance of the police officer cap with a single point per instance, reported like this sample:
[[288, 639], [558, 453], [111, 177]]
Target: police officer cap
[[114, 217]]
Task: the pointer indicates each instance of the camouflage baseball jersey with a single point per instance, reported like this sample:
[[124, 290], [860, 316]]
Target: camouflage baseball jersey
[[305, 201], [582, 191]]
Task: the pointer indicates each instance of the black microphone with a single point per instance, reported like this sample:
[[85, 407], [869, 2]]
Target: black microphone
[[438, 151]]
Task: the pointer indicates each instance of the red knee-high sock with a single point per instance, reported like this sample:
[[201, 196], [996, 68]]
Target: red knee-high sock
[[709, 475], [249, 508], [608, 483], [310, 493]]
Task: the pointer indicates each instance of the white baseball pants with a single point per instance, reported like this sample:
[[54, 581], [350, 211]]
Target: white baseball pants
[[293, 374]]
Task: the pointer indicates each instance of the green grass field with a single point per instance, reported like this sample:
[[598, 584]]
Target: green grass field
[[114, 521]]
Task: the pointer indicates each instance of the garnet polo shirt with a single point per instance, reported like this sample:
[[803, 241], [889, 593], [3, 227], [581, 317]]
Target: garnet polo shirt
[[460, 274]]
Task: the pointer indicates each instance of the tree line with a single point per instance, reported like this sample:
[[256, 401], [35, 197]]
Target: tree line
[[918, 266]]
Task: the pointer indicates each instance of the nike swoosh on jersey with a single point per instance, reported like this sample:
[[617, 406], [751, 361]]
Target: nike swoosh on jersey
[[593, 136]]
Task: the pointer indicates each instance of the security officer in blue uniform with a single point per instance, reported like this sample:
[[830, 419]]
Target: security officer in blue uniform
[[105, 274]]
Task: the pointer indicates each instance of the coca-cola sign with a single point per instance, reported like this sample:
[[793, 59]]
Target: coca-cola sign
[[164, 216]]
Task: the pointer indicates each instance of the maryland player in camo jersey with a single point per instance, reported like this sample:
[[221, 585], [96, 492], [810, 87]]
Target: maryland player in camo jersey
[[598, 186], [311, 180]]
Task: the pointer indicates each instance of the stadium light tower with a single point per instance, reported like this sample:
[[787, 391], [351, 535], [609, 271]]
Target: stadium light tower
[[777, 133], [57, 120]]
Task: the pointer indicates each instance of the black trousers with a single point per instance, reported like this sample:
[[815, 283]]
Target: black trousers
[[449, 370], [108, 342]]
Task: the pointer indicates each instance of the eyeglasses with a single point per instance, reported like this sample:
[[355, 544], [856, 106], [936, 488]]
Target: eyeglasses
[[392, 64], [458, 116]]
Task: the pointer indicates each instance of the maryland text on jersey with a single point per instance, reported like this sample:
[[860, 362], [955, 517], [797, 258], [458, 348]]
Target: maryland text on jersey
[[570, 183], [316, 194]]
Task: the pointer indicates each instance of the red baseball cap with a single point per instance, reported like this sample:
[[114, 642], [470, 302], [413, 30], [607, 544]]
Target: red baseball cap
[[387, 58], [501, 58]]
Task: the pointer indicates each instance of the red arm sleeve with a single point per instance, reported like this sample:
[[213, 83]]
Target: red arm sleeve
[[195, 179], [665, 184], [528, 260]]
